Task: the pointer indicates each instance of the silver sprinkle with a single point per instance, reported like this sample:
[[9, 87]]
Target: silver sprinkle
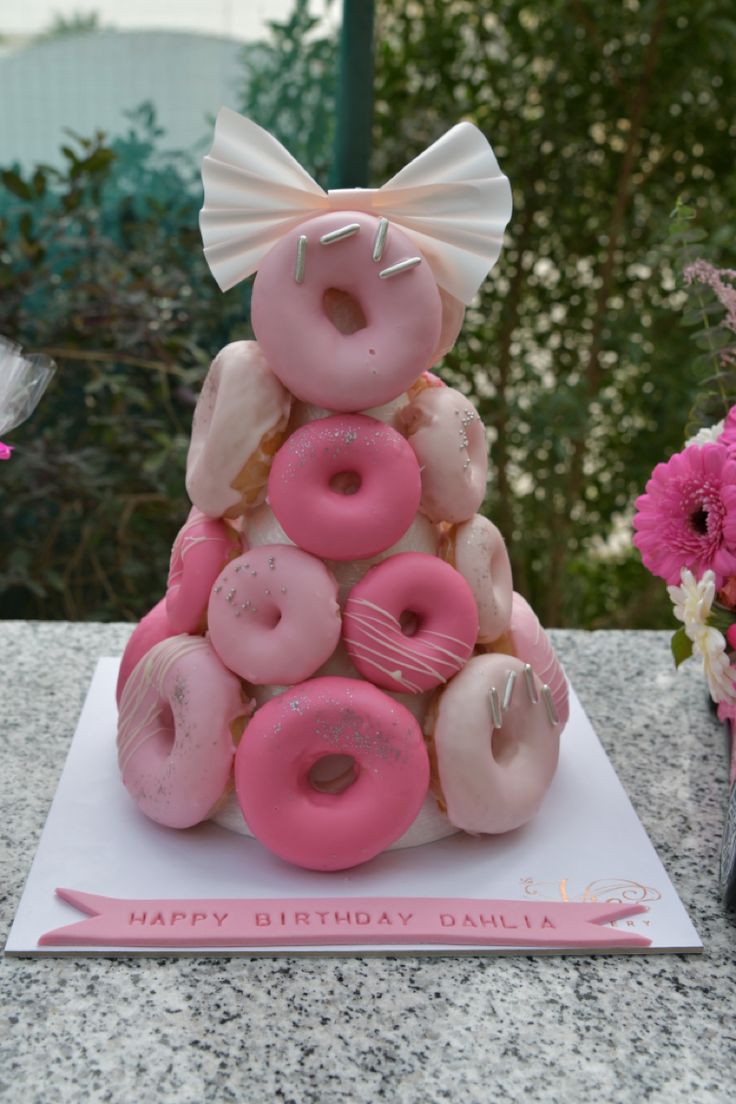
[[338, 235], [218, 589], [283, 590], [495, 707], [301, 258], [550, 705], [271, 563], [508, 692], [400, 266], [380, 239], [531, 688], [267, 592]]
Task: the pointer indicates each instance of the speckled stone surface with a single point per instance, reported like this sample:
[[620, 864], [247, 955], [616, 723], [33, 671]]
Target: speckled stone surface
[[613, 1028]]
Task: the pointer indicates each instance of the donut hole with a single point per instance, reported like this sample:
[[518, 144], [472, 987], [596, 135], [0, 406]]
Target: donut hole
[[269, 616], [344, 311], [503, 745], [410, 622], [333, 774], [346, 483], [164, 737]]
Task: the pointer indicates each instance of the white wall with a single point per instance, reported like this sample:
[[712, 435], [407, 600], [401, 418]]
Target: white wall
[[88, 81]]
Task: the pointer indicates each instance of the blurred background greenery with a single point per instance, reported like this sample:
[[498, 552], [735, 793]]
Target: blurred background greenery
[[602, 115]]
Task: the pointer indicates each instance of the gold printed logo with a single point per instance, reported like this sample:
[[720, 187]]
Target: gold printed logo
[[607, 890]]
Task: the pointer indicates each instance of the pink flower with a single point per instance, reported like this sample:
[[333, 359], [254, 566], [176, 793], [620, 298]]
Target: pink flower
[[6, 451], [728, 434], [687, 518]]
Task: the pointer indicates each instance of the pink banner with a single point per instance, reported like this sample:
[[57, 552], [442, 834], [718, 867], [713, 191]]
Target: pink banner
[[335, 921]]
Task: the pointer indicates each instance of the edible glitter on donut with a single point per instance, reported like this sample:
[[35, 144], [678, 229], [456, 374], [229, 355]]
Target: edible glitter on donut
[[345, 487], [383, 782], [341, 328], [449, 441], [273, 615], [411, 623]]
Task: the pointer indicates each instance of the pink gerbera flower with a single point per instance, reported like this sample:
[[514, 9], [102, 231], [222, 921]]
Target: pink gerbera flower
[[687, 518]]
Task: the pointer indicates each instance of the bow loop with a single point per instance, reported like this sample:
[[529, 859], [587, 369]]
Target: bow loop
[[452, 200]]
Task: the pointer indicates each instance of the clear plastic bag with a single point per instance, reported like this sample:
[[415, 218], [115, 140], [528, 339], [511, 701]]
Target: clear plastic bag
[[23, 380]]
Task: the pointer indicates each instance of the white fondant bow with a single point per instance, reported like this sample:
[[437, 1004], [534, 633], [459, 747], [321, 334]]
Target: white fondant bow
[[452, 200]]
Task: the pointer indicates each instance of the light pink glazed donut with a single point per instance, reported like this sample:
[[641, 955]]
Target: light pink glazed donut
[[150, 630], [345, 487], [453, 315], [339, 328], [384, 772], [477, 550], [239, 422], [410, 623], [175, 731], [273, 615], [449, 441], [532, 645], [202, 548], [492, 777]]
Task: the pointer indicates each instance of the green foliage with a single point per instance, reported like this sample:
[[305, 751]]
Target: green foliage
[[102, 269], [601, 118], [682, 646], [291, 87], [74, 24], [713, 368]]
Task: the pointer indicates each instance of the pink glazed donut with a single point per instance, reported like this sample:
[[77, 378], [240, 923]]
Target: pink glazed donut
[[150, 630], [478, 551], [339, 328], [372, 801], [493, 776], [410, 623], [273, 615], [532, 645], [202, 548], [346, 487], [175, 731]]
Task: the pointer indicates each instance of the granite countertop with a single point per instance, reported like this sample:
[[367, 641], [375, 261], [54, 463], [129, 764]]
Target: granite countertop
[[607, 1028]]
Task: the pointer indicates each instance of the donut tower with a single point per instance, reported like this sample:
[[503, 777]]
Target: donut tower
[[340, 664]]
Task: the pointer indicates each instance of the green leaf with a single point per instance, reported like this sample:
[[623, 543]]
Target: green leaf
[[714, 339], [682, 646], [15, 184]]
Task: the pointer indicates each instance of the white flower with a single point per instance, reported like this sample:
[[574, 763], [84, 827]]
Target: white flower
[[693, 600], [711, 645], [707, 434]]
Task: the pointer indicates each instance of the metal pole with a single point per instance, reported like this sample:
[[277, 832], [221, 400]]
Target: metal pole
[[354, 97]]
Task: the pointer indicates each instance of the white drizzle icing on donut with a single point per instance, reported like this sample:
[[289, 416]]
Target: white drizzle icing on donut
[[152, 671], [184, 544], [384, 629]]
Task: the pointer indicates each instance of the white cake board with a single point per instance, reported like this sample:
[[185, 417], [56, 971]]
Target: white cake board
[[586, 844]]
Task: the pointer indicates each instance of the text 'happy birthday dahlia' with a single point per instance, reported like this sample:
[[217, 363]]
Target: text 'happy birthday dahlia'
[[687, 518]]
